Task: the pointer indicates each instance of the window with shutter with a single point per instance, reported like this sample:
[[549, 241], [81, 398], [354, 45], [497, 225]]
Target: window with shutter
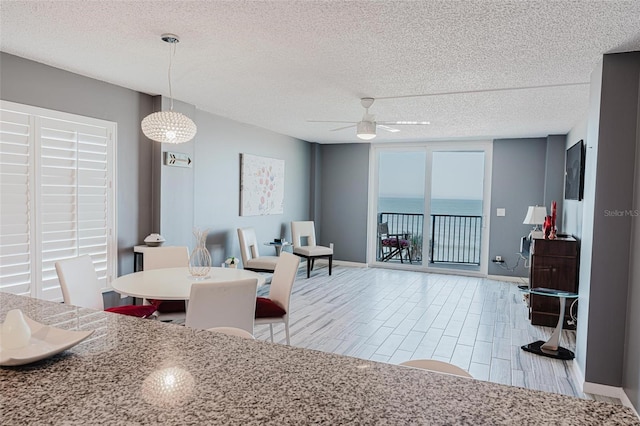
[[56, 178]]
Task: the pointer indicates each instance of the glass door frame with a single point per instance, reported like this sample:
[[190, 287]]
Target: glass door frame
[[429, 147]]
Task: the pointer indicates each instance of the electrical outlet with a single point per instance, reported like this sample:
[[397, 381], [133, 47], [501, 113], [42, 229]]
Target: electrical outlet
[[498, 258]]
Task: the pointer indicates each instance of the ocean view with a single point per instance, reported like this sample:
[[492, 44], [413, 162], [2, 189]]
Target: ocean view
[[456, 239], [438, 206]]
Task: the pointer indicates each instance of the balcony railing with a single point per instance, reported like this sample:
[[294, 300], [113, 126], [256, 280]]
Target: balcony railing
[[453, 238]]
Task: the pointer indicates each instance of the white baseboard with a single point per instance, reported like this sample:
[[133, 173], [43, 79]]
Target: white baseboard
[[627, 403], [611, 392], [507, 278], [342, 263], [354, 264], [603, 390]]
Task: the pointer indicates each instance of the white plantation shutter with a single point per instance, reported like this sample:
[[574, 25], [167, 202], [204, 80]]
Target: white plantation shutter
[[72, 175], [16, 206]]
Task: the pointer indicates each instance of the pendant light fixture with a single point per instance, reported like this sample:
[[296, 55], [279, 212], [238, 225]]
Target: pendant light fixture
[[169, 126]]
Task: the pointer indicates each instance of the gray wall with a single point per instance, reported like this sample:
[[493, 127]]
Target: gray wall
[[32, 83], [572, 209], [517, 182], [176, 191], [631, 368], [526, 172], [554, 176], [606, 239], [344, 198], [216, 182]]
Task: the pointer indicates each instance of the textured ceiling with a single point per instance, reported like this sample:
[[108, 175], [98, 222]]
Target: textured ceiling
[[486, 69]]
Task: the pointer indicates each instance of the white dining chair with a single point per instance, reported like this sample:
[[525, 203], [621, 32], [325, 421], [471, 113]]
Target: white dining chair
[[80, 287], [438, 366], [302, 230], [232, 331], [275, 308], [167, 257], [223, 304], [251, 259]]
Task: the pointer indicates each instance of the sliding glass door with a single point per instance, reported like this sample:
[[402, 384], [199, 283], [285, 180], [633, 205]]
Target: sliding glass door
[[400, 206], [430, 206]]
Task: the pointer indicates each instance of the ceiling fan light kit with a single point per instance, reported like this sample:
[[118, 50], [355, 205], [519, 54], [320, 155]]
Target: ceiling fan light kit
[[169, 126], [366, 130]]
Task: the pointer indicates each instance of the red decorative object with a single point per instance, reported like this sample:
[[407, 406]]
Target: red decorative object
[[546, 227], [552, 233]]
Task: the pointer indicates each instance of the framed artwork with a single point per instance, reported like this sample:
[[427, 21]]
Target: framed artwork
[[574, 172], [261, 185]]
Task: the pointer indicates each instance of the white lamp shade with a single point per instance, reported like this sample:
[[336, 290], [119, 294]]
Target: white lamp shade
[[366, 130], [169, 127], [535, 215]]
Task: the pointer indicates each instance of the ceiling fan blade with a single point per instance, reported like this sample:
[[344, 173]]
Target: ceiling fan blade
[[388, 129], [330, 121], [342, 128], [405, 123]]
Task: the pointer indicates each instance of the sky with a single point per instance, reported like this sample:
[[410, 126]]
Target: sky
[[455, 174]]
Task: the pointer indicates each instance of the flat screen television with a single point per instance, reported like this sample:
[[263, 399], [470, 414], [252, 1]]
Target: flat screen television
[[574, 172]]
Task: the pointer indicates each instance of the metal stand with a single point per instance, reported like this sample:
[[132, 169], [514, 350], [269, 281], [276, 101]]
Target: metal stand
[[551, 348]]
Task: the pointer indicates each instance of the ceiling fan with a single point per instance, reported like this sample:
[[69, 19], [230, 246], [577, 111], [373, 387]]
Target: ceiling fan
[[366, 128]]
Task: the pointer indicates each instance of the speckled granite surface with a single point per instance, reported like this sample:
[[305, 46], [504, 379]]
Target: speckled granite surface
[[142, 372]]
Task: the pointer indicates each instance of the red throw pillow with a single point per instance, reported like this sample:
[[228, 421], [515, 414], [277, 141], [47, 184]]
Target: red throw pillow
[[265, 308], [140, 311]]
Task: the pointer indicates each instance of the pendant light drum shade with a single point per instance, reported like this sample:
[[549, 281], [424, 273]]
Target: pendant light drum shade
[[168, 127]]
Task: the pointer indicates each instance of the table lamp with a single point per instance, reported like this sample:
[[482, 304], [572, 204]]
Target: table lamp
[[535, 216]]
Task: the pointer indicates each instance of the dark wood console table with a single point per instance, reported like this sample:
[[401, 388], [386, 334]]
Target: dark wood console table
[[554, 265]]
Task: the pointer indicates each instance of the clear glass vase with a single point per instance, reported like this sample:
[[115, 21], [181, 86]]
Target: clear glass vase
[[200, 258]]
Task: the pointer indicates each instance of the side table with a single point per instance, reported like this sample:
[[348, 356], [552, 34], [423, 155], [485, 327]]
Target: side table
[[278, 246], [551, 348]]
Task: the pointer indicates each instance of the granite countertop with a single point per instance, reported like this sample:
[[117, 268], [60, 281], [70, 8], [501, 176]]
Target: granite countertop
[[144, 372]]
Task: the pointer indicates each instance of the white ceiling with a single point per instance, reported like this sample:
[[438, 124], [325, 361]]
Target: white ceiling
[[487, 69]]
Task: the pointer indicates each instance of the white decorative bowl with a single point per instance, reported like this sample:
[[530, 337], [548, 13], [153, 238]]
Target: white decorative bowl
[[154, 240]]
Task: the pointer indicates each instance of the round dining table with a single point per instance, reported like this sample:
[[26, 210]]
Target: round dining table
[[175, 283]]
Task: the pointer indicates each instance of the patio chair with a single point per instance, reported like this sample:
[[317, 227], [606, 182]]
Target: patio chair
[[392, 245]]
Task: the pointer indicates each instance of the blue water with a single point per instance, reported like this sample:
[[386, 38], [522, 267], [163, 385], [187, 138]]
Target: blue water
[[438, 206]]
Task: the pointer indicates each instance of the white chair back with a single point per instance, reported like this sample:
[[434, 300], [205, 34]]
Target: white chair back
[[232, 331], [165, 257], [435, 365], [304, 229], [283, 278], [223, 304], [248, 244], [79, 283]]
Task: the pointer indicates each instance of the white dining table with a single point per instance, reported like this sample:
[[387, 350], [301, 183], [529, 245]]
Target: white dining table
[[174, 283]]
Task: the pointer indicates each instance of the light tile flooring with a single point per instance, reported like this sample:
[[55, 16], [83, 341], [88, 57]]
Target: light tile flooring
[[393, 316]]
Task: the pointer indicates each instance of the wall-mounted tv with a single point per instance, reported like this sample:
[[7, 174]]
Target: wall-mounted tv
[[574, 172]]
